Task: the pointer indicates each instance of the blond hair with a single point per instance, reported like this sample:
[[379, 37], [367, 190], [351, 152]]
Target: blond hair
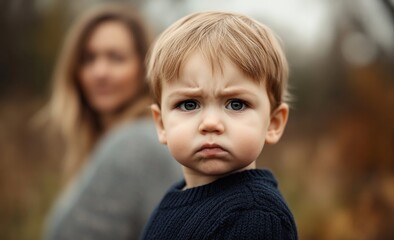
[[248, 44], [68, 109]]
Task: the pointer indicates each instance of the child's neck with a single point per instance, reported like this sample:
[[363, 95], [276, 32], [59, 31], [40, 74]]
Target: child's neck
[[196, 179]]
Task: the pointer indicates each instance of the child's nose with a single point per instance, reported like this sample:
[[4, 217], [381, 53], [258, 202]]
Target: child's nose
[[211, 123]]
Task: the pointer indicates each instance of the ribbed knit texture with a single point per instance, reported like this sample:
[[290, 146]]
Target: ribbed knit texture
[[244, 205]]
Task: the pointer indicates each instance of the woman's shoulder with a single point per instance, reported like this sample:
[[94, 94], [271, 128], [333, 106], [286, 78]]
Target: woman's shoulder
[[129, 136], [135, 141], [141, 129]]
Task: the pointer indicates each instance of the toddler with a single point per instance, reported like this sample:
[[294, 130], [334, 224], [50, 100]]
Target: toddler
[[219, 82]]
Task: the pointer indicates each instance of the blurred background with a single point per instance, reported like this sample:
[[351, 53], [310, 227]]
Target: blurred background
[[335, 163]]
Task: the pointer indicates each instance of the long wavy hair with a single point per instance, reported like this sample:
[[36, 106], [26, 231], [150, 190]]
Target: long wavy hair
[[68, 110]]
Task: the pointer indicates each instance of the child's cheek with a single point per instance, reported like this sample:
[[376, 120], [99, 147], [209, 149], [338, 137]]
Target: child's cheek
[[179, 143], [250, 143]]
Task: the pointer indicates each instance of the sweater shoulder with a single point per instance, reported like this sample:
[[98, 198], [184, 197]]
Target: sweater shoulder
[[258, 197], [253, 224], [264, 199], [255, 205], [266, 196]]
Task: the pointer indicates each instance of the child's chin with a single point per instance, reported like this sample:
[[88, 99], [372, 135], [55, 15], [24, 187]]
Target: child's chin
[[216, 168]]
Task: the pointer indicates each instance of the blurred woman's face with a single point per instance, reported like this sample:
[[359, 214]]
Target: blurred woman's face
[[111, 69]]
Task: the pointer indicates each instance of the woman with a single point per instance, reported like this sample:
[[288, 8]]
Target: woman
[[99, 104]]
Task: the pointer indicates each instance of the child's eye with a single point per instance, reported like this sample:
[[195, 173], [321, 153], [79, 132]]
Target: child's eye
[[236, 105], [188, 105]]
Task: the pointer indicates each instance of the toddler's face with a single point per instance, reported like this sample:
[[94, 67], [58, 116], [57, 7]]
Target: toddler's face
[[213, 124]]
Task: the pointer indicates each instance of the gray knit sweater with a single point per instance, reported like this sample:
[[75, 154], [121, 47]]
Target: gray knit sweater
[[117, 189]]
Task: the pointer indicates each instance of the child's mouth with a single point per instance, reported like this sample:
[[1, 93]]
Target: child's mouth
[[212, 150]]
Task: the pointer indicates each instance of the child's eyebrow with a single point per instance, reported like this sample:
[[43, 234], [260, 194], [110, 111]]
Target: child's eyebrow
[[198, 92], [228, 92], [190, 92]]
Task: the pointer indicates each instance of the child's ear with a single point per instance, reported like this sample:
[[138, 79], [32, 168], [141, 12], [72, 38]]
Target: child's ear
[[156, 113], [277, 124]]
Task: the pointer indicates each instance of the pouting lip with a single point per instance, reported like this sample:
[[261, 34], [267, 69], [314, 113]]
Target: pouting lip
[[210, 146]]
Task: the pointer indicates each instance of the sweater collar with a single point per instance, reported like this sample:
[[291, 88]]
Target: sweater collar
[[177, 197]]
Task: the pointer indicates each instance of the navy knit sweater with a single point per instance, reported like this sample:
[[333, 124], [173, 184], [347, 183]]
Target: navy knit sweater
[[243, 205]]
